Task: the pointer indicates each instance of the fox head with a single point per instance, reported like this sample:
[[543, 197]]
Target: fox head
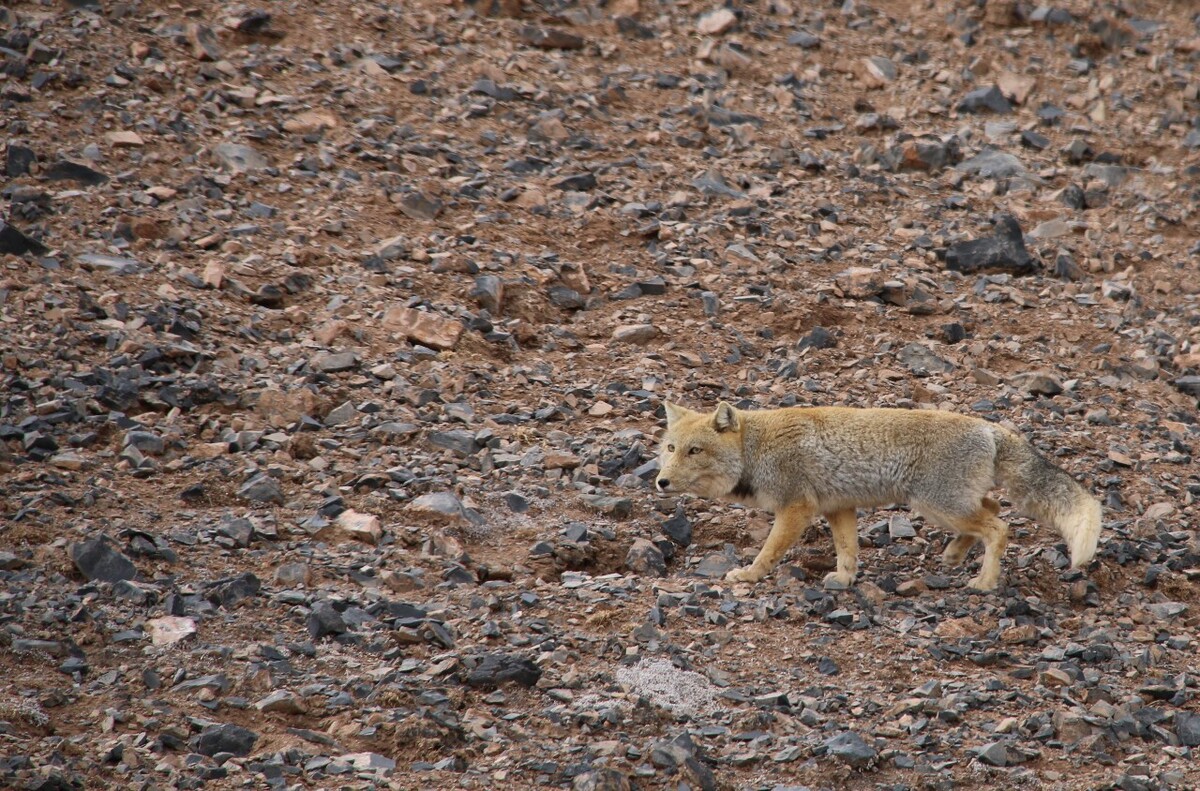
[[702, 453]]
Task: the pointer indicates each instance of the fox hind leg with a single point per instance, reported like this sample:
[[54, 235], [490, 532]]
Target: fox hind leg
[[790, 522], [982, 524], [958, 548], [956, 551], [844, 527]]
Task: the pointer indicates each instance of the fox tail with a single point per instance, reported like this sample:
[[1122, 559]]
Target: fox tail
[[1048, 494]]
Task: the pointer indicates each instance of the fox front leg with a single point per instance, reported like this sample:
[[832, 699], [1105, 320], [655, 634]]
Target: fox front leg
[[790, 522]]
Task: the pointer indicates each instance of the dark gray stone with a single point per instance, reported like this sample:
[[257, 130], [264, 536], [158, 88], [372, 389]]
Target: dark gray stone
[[817, 338], [334, 362], [64, 170], [146, 442], [993, 754], [492, 670], [1189, 385], [232, 739], [489, 293], [1003, 252], [804, 40], [461, 442], [616, 507], [228, 593], [646, 558], [602, 780], [239, 530], [13, 242], [98, 561], [1187, 728], [991, 163], [921, 360], [679, 529], [851, 749], [717, 565], [325, 620], [262, 488], [581, 182], [18, 161], [985, 100]]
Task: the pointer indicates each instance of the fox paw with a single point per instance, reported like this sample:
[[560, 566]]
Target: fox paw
[[957, 549], [981, 583], [838, 580], [746, 574]]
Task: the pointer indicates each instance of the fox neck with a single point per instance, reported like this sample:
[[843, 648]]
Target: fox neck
[[744, 491], [744, 488]]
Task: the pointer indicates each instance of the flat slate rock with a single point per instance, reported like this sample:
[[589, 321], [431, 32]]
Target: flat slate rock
[[98, 561]]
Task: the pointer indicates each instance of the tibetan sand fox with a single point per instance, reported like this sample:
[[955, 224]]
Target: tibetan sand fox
[[803, 462]]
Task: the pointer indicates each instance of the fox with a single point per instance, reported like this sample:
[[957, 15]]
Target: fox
[[803, 462]]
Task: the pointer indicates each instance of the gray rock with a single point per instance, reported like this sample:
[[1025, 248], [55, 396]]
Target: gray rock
[[334, 362], [1165, 611], [602, 780], [419, 206], [64, 170], [238, 158], [228, 593], [13, 242], [885, 67], [145, 441], [921, 360], [290, 574], [240, 531], [616, 507], [804, 40], [993, 754], [635, 333], [282, 702], [678, 528], [1039, 383], [325, 620], [646, 558], [565, 298], [581, 182], [262, 488], [18, 160], [489, 293], [713, 183], [232, 739], [492, 670], [851, 749], [1188, 384], [1004, 252], [444, 503], [991, 163], [461, 442], [1187, 728], [817, 338], [901, 527], [111, 263], [985, 100], [343, 413], [717, 565], [98, 561], [368, 762]]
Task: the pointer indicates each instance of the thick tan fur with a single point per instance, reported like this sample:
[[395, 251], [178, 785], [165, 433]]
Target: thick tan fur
[[800, 463]]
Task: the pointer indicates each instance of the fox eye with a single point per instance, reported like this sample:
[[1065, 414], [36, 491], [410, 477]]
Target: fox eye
[[670, 449], [692, 451]]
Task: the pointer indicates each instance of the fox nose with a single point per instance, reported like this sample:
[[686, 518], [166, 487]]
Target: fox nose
[[664, 484]]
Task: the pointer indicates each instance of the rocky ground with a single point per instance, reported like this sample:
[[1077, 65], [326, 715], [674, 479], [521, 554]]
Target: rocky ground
[[334, 339]]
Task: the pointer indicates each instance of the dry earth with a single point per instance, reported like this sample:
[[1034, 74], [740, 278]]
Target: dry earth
[[335, 337]]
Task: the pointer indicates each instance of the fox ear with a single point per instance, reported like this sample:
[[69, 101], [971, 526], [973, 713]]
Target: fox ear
[[725, 418], [674, 412]]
